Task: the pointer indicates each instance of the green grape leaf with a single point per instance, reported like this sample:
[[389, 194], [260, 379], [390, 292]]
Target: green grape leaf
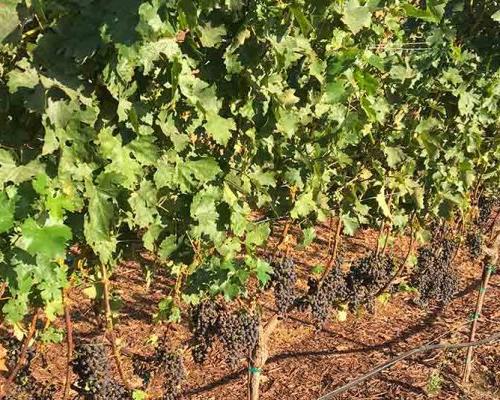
[[167, 311], [263, 271], [220, 128], [350, 224], [211, 36], [9, 19], [394, 155], [257, 234], [305, 25], [203, 210], [205, 169], [334, 92], [7, 209], [143, 204], [168, 246], [10, 172], [356, 17], [308, 236], [48, 241], [23, 77], [98, 226], [16, 308], [383, 204], [139, 395], [52, 335], [304, 205]]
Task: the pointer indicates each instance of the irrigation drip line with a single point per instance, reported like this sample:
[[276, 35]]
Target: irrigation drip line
[[388, 364]]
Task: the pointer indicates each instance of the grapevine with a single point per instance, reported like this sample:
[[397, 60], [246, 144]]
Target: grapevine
[[182, 133]]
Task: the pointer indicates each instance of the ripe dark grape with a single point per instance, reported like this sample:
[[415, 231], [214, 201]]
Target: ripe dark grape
[[323, 296], [165, 363], [112, 390], [367, 276], [283, 281], [170, 365], [435, 277], [239, 332], [25, 386], [474, 242], [32, 390], [485, 205], [90, 365], [142, 367], [13, 348], [93, 374], [204, 324], [40, 391], [18, 393]]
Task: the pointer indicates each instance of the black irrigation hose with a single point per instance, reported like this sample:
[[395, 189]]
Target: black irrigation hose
[[407, 354]]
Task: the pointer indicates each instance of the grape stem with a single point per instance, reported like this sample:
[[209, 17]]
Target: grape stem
[[3, 286], [284, 235], [22, 355], [382, 227], [69, 343], [402, 266], [109, 326], [336, 241]]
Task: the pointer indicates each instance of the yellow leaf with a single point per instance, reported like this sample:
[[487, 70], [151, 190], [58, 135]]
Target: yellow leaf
[[342, 313]]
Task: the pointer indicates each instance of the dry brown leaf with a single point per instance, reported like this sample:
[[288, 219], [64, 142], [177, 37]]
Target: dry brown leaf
[[3, 358]]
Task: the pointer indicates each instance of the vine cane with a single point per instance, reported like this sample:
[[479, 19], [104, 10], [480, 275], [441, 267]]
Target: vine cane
[[109, 326]]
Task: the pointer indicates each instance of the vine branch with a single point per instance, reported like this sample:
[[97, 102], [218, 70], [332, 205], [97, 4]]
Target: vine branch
[[109, 326], [69, 343]]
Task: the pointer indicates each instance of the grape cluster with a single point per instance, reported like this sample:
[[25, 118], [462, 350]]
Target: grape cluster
[[474, 243], [13, 348], [367, 276], [204, 324], [283, 281], [142, 367], [168, 364], [435, 277], [172, 368], [239, 333], [112, 390], [26, 386], [485, 205], [94, 376], [32, 390], [323, 296]]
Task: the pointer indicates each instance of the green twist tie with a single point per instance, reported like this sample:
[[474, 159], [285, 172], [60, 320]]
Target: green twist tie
[[474, 316], [254, 370], [491, 269]]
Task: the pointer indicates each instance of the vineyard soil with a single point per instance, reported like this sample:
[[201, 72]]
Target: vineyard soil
[[304, 362]]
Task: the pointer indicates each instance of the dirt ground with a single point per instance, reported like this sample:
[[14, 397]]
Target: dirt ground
[[306, 363]]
